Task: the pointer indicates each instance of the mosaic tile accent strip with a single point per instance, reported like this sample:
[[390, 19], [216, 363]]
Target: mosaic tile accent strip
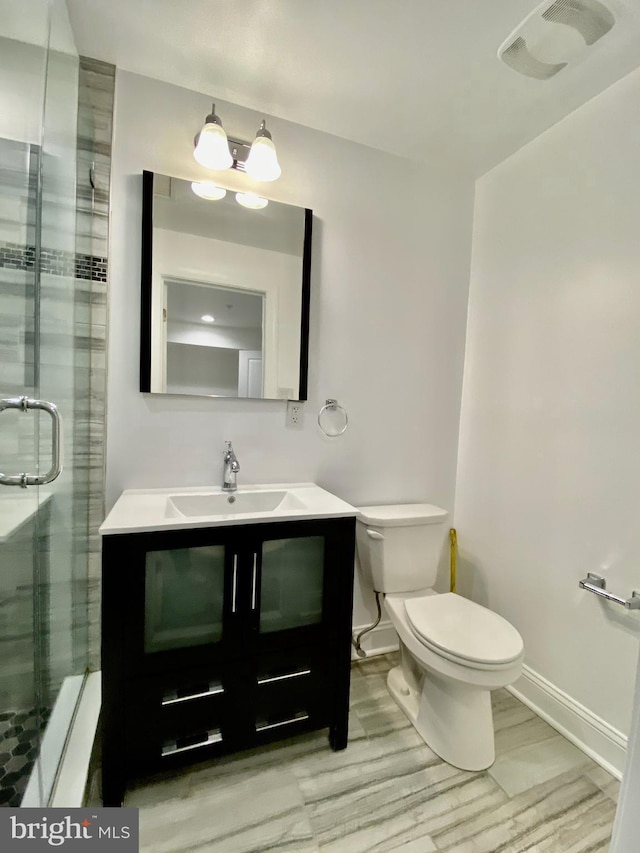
[[54, 262]]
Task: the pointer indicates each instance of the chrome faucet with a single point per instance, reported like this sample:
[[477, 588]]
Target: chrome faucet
[[231, 468]]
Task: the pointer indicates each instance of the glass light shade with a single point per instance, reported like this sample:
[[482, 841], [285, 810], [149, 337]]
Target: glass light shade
[[262, 162], [208, 190], [207, 318], [251, 200], [212, 149]]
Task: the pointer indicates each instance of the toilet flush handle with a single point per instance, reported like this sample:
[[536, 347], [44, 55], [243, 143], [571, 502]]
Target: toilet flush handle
[[374, 534]]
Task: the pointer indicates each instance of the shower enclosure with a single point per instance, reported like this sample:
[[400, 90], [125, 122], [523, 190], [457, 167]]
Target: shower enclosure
[[44, 328]]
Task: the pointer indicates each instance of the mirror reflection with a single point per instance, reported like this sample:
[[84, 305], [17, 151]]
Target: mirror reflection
[[225, 293]]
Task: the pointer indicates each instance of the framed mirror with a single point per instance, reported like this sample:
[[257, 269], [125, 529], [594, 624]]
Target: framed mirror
[[225, 293]]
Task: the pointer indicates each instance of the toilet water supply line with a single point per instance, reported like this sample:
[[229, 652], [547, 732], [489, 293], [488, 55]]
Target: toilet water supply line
[[355, 641], [453, 546]]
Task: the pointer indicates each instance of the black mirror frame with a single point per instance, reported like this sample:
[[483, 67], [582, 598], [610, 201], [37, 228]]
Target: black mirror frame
[[146, 283]]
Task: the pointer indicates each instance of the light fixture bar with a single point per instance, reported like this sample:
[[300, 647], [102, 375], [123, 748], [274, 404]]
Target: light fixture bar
[[239, 151]]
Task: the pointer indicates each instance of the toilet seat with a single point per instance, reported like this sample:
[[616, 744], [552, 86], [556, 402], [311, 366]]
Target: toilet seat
[[462, 631]]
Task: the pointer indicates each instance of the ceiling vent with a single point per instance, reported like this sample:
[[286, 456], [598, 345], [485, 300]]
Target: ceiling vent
[[555, 35]]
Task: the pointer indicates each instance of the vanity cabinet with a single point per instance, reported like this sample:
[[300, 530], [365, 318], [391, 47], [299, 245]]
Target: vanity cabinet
[[218, 639]]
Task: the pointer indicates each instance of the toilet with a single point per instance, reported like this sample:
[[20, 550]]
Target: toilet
[[453, 652]]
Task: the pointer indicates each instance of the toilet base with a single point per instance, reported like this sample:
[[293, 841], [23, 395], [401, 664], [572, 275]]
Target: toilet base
[[453, 718]]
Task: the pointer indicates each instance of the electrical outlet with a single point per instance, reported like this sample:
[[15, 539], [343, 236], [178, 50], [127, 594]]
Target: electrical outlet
[[295, 415]]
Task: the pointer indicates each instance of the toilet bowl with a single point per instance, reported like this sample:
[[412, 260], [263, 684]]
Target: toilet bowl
[[453, 651]]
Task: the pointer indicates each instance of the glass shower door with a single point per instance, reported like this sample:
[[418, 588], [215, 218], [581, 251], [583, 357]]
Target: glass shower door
[[23, 47], [43, 529]]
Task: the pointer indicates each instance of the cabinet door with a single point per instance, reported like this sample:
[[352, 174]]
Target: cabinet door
[[184, 597], [291, 583]]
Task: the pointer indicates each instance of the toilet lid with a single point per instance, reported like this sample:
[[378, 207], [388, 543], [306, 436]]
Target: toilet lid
[[463, 628]]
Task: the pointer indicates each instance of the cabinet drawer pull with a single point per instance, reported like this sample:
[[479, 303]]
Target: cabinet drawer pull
[[270, 679], [254, 581], [263, 725], [234, 590], [171, 747], [172, 697]]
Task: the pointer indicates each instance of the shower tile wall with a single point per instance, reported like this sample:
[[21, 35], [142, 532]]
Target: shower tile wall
[[97, 84]]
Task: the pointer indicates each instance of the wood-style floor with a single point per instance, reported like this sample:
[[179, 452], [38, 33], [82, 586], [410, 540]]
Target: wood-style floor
[[386, 792]]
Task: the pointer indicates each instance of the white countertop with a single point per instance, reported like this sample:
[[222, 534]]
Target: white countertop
[[17, 507], [146, 510]]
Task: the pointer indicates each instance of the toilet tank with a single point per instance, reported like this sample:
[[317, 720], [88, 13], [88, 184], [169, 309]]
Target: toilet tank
[[399, 546]]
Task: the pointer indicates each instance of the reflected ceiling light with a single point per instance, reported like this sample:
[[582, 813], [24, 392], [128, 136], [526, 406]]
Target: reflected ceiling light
[[262, 162], [251, 200], [207, 318], [215, 150], [212, 145], [208, 190]]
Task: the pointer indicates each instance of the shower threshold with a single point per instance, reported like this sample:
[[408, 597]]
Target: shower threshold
[[60, 777]]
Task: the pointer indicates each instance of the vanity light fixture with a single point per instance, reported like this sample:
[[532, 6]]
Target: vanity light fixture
[[215, 150], [207, 318], [262, 162], [252, 201], [208, 190], [211, 144]]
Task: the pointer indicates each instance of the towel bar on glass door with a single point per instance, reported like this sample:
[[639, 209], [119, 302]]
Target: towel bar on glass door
[[596, 584]]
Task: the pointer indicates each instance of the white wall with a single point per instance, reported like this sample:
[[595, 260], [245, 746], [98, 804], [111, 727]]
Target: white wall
[[226, 337], [389, 284], [549, 466], [202, 370]]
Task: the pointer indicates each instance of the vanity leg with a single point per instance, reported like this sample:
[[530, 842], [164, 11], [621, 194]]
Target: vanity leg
[[339, 735], [339, 727], [112, 792], [343, 603]]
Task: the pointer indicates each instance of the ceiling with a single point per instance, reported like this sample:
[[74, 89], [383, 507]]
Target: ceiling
[[416, 78], [230, 307]]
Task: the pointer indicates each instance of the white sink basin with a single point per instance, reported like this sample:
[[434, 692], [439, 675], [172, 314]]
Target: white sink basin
[[141, 510], [230, 503]]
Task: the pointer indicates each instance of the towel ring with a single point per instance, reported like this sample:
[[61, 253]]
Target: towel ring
[[333, 406]]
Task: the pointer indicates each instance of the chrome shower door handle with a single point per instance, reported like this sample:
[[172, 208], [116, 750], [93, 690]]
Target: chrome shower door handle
[[25, 404]]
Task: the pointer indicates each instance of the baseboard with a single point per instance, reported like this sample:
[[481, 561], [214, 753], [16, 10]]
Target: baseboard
[[379, 641], [600, 741]]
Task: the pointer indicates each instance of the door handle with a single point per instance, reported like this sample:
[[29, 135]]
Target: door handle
[[25, 404]]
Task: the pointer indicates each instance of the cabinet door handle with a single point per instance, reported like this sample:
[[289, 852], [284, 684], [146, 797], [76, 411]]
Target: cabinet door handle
[[263, 725], [270, 679], [234, 586], [254, 581], [171, 747], [172, 697]]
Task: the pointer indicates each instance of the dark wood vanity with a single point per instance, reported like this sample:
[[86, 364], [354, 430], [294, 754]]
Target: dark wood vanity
[[217, 639]]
